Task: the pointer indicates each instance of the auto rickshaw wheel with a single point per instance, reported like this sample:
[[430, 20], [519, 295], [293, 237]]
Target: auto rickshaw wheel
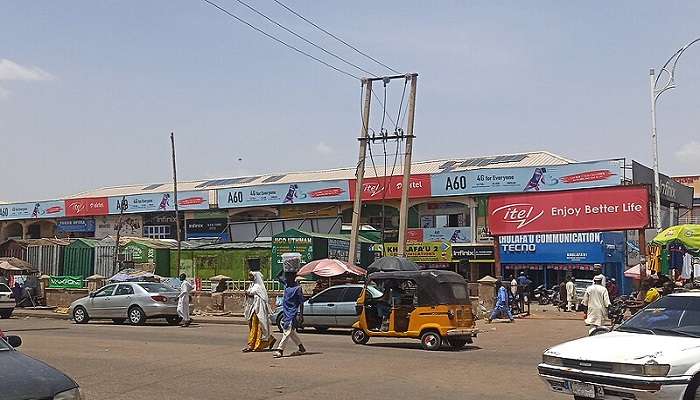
[[431, 340], [359, 336]]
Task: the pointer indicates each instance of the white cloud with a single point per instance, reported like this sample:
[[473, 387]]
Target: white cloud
[[689, 154], [11, 71], [324, 149]]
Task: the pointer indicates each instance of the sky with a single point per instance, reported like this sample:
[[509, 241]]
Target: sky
[[90, 90]]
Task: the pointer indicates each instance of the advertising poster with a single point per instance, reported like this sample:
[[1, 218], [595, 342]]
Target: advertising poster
[[295, 193], [555, 248], [390, 187], [528, 179], [87, 207], [38, 209], [426, 252], [132, 226], [603, 209], [340, 249], [76, 225], [155, 202], [453, 235]]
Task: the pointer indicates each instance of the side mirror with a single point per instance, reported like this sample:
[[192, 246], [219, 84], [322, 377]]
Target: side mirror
[[92, 294], [14, 341]]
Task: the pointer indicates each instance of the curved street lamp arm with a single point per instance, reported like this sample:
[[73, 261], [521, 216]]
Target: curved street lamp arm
[[670, 74]]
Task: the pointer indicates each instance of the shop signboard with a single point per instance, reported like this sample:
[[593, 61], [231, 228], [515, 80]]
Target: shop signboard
[[158, 202], [37, 209], [602, 209], [554, 248], [671, 191], [281, 245], [308, 211], [87, 207], [76, 225], [453, 235], [340, 249], [66, 282], [472, 252], [390, 188], [207, 227], [528, 179], [295, 193], [422, 252], [692, 181]]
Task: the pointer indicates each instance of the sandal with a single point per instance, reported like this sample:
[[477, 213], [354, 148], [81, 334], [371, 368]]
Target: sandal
[[247, 350], [278, 354]]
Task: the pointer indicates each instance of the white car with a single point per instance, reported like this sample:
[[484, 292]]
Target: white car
[[7, 301], [654, 355]]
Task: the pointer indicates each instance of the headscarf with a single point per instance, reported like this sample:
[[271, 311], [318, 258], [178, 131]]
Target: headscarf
[[257, 304]]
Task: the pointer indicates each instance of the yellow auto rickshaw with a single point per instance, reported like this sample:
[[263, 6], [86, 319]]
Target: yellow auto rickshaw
[[404, 302]]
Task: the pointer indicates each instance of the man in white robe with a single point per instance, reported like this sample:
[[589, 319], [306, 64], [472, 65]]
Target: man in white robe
[[597, 300], [183, 301]]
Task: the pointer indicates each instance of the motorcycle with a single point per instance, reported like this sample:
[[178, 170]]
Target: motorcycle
[[545, 296], [616, 314]]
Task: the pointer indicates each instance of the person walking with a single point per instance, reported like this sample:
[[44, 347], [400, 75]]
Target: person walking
[[257, 313], [502, 308], [597, 300], [293, 315], [570, 294], [183, 301]]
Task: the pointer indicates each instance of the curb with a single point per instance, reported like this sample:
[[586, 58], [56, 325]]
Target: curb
[[200, 320]]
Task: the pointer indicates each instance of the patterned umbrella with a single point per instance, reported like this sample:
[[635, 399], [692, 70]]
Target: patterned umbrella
[[329, 267]]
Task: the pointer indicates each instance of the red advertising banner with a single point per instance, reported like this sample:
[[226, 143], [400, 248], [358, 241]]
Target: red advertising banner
[[604, 209], [414, 235], [87, 207], [373, 188]]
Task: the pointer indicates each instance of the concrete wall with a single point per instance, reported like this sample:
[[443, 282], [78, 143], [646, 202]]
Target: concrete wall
[[63, 297]]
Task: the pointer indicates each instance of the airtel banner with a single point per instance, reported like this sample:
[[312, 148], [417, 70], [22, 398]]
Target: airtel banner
[[86, 207], [604, 209], [373, 188]]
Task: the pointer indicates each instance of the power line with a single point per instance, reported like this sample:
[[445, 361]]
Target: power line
[[336, 37], [280, 41], [253, 9]]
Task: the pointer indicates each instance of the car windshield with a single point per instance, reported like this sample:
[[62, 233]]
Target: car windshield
[[156, 287], [670, 315], [4, 288]]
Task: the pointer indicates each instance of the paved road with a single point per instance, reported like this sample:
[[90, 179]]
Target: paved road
[[205, 362]]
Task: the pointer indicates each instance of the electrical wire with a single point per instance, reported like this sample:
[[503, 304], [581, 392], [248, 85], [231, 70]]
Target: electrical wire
[[335, 37], [280, 41], [253, 9]]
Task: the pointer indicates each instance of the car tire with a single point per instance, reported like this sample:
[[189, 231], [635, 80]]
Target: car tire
[[359, 336], [137, 316], [431, 341], [118, 321], [80, 315], [6, 314], [692, 392], [173, 320]]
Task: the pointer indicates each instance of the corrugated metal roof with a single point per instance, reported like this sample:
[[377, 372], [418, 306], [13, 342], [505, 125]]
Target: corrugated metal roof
[[529, 159], [234, 246]]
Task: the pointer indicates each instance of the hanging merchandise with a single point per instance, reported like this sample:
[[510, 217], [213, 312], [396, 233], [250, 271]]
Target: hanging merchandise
[[654, 253], [664, 267], [687, 270], [677, 252]]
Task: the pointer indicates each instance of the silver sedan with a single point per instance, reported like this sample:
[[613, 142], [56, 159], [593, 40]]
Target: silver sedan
[[132, 301]]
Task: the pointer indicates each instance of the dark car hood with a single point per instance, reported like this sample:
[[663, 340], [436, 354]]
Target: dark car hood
[[23, 378]]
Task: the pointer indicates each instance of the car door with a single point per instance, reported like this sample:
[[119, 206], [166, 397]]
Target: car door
[[121, 300], [345, 309], [101, 302], [322, 307]]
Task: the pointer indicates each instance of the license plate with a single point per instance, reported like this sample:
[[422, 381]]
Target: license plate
[[583, 389]]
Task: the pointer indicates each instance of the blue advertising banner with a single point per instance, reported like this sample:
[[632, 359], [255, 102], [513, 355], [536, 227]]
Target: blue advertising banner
[[36, 209], [555, 248], [154, 202], [76, 225], [528, 179], [294, 193]]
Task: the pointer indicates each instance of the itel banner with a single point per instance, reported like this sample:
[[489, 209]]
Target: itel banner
[[295, 193], [37, 209], [390, 187], [87, 207], [604, 209], [154, 202], [528, 179]]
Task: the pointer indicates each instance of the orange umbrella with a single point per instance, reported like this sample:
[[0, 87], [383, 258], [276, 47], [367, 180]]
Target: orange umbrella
[[329, 267]]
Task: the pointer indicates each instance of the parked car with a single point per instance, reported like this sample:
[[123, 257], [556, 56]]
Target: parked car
[[653, 355], [334, 307], [132, 301], [7, 301], [26, 378]]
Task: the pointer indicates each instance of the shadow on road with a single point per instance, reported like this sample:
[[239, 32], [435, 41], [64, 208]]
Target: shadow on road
[[417, 346], [35, 329]]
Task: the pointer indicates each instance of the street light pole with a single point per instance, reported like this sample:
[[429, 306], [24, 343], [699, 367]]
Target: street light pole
[[659, 86]]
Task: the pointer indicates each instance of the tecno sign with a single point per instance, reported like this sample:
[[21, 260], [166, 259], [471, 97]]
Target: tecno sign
[[603, 209]]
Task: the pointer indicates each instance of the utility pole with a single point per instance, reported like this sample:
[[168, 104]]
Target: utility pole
[[403, 211], [123, 205], [357, 205], [655, 145], [177, 211]]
